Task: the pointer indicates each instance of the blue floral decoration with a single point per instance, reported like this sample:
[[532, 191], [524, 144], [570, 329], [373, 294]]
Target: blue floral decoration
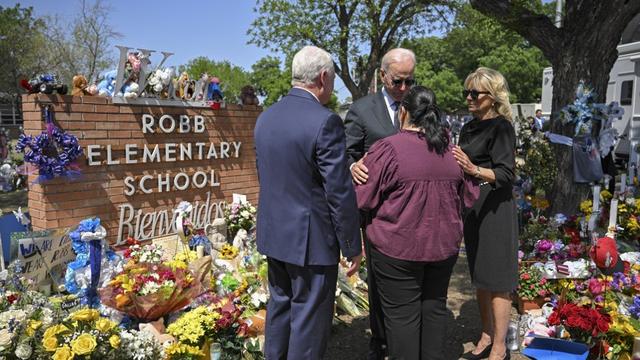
[[53, 152], [83, 260], [200, 239]]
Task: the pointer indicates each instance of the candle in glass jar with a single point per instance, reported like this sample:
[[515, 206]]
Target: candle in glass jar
[[200, 251], [596, 198], [623, 183], [636, 349], [613, 214]]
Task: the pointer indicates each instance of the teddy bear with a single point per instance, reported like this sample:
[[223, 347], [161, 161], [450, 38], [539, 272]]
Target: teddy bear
[[81, 86], [181, 85], [248, 95], [106, 87]]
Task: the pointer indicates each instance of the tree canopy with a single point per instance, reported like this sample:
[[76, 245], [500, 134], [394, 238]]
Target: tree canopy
[[476, 40], [232, 77], [357, 33], [22, 47], [270, 80]]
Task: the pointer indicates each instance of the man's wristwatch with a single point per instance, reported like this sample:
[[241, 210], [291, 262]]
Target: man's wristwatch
[[477, 174]]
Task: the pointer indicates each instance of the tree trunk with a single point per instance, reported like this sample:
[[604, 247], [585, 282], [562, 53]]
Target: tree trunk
[[583, 58]]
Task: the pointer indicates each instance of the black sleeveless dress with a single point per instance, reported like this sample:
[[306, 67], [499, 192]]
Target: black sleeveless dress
[[491, 225]]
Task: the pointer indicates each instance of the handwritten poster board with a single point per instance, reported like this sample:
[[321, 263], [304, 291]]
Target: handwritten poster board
[[55, 252]]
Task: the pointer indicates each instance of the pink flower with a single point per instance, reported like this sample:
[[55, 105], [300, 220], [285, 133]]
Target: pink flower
[[595, 286]]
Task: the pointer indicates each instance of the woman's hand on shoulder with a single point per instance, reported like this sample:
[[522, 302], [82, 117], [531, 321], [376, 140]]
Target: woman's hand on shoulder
[[464, 161]]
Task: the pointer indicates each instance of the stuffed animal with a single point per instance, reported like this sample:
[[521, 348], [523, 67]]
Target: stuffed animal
[[182, 83], [130, 90], [202, 87], [133, 59], [106, 87], [214, 92], [81, 86], [248, 95], [158, 330]]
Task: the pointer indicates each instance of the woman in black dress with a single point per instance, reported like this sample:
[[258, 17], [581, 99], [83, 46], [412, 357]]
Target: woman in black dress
[[487, 151]]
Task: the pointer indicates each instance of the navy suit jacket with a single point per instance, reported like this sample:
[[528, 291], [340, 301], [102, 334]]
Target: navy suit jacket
[[366, 122], [307, 212]]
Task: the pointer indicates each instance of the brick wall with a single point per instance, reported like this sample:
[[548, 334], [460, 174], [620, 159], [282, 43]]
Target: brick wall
[[99, 192]]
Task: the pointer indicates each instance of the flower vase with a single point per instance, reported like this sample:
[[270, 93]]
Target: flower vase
[[211, 350], [526, 304], [206, 349]]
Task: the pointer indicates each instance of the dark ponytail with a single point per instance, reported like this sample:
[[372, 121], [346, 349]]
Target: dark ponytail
[[420, 102]]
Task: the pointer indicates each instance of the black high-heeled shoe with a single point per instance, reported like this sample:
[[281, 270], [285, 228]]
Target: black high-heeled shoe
[[483, 355]]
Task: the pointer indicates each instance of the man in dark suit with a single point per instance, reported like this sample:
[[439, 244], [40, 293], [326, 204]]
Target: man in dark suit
[[307, 212], [370, 119]]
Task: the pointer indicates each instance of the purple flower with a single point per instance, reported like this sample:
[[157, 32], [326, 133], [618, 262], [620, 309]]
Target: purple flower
[[543, 246], [620, 281], [634, 309]]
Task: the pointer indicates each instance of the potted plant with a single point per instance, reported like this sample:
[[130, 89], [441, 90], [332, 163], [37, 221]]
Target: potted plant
[[532, 289]]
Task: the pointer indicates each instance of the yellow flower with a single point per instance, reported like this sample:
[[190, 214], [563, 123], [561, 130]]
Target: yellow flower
[[32, 326], [63, 353], [83, 344], [228, 252], [605, 195], [180, 348], [114, 340], [55, 330], [85, 315], [50, 343], [586, 207], [104, 325]]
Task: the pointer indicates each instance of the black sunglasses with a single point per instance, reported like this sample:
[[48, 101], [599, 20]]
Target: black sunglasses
[[407, 82], [474, 93]]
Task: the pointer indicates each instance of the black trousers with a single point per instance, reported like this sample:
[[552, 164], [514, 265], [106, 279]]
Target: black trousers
[[378, 341], [413, 296]]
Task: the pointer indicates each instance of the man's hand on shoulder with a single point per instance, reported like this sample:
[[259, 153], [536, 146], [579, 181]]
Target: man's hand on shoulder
[[359, 172]]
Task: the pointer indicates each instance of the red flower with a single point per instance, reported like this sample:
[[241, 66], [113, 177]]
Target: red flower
[[243, 330], [12, 298], [525, 276]]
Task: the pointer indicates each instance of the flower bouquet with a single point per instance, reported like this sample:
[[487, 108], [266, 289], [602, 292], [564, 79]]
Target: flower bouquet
[[149, 291], [239, 216], [219, 322], [82, 334], [583, 323]]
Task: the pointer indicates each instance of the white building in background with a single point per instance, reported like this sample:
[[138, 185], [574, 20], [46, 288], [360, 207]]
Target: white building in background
[[623, 87]]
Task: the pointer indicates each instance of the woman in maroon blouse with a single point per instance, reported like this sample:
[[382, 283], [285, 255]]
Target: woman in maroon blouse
[[416, 193]]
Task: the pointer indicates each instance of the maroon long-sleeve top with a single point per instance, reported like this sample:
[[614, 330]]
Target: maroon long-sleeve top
[[415, 198]]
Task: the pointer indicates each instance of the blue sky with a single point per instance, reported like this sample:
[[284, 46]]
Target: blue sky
[[188, 28]]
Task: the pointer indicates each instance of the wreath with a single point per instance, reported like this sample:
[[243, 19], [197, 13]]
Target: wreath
[[53, 152]]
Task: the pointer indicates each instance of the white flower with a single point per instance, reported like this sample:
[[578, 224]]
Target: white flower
[[630, 201], [184, 207], [5, 339], [23, 351]]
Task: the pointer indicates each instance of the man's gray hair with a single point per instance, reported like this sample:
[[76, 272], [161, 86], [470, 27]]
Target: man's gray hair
[[308, 64], [397, 55]]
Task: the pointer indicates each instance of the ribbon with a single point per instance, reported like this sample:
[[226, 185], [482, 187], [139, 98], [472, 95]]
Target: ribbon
[[95, 260], [559, 139]]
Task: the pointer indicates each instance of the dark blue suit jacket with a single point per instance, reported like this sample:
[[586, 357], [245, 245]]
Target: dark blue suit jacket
[[307, 212]]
